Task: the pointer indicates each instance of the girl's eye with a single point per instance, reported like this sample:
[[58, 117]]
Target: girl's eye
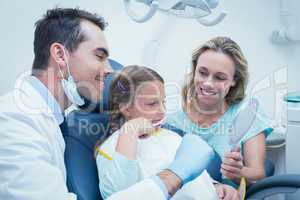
[[152, 104]]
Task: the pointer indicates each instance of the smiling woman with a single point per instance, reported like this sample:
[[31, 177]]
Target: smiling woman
[[214, 92], [222, 60], [214, 76]]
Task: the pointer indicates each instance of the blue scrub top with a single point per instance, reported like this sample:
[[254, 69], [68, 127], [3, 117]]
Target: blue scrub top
[[218, 134]]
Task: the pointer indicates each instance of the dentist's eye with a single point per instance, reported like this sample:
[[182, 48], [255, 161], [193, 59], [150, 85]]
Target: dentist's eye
[[101, 57]]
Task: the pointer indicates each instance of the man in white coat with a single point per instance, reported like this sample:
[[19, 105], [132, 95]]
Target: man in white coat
[[69, 49], [70, 65]]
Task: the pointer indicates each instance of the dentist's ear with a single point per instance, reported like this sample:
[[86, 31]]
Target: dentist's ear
[[58, 56], [58, 53]]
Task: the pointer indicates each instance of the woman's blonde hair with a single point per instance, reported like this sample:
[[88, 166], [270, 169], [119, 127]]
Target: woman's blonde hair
[[230, 48]]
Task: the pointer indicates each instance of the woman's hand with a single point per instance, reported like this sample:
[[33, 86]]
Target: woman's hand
[[232, 165], [226, 192]]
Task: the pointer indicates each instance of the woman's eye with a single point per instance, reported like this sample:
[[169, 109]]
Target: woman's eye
[[203, 73], [220, 78]]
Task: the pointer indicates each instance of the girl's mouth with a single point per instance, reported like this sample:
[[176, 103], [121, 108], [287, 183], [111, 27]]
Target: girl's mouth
[[158, 122]]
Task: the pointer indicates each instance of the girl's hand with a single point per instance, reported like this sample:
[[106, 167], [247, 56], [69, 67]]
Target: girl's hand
[[138, 128], [131, 131], [232, 165], [226, 192]]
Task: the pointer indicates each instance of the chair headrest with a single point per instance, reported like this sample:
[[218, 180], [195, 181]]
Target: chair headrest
[[103, 105]]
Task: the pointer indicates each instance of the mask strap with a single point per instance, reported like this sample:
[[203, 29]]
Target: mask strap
[[68, 67], [62, 76]]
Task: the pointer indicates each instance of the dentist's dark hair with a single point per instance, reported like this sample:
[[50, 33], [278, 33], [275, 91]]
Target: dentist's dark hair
[[60, 25]]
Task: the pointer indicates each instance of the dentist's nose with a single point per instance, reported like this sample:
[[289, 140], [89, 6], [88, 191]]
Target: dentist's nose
[[107, 68]]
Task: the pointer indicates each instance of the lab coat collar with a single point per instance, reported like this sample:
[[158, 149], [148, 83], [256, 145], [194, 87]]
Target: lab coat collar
[[48, 98], [42, 101]]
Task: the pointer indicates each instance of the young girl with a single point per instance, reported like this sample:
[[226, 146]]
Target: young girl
[[138, 147]]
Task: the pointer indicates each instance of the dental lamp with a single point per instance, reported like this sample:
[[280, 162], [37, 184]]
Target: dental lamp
[[197, 9]]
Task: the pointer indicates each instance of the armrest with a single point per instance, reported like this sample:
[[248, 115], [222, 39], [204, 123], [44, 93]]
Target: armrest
[[283, 183]]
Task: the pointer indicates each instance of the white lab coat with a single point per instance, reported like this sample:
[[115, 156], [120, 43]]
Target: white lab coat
[[31, 148]]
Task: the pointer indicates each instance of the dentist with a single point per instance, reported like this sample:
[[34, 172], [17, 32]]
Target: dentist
[[70, 64], [70, 53]]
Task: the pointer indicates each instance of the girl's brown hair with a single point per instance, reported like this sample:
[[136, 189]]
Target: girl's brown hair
[[122, 91]]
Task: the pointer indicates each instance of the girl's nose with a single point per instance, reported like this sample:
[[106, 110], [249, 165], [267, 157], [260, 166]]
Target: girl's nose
[[162, 108]]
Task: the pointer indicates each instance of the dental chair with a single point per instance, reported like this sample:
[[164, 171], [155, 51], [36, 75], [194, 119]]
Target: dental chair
[[82, 129]]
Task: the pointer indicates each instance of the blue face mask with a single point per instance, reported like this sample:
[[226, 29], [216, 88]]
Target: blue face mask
[[70, 89]]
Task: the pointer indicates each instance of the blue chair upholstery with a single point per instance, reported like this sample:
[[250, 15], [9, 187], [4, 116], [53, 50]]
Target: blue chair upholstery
[[81, 131], [279, 184]]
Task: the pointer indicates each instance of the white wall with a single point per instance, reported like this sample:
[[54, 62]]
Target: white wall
[[249, 23]]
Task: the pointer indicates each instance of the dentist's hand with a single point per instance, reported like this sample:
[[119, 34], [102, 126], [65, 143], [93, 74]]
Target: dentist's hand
[[192, 157]]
